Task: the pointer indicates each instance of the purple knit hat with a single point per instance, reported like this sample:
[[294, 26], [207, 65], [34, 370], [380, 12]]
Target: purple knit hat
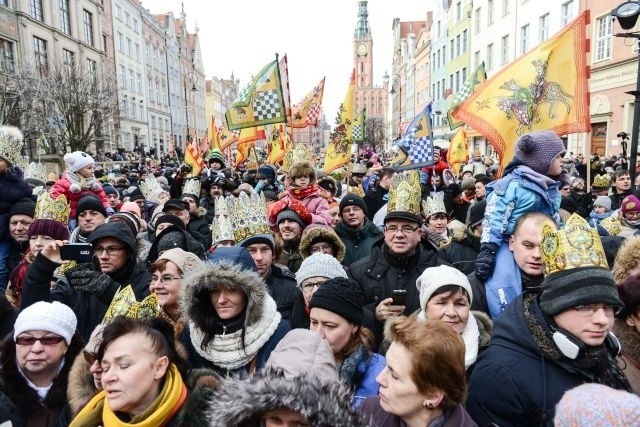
[[538, 149], [49, 227]]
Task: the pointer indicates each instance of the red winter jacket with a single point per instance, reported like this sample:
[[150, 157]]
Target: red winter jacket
[[62, 185]]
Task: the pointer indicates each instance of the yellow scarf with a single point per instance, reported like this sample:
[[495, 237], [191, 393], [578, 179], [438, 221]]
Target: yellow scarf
[[159, 413]]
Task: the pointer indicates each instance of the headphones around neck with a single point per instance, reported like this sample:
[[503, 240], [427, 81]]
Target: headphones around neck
[[571, 347]]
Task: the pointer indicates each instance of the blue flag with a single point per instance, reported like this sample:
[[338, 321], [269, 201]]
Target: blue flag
[[416, 147]]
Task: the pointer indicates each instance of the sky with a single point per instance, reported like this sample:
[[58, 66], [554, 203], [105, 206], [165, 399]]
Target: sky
[[241, 36]]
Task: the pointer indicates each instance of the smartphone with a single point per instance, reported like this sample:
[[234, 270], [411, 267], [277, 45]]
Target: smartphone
[[399, 296], [80, 252]]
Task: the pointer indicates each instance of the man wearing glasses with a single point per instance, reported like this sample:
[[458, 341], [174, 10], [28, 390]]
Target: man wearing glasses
[[89, 287]]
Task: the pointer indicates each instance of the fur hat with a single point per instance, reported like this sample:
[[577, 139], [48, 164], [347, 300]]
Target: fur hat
[[603, 201], [476, 213], [53, 317], [315, 233], [319, 265], [302, 169], [597, 405], [341, 296], [77, 160], [434, 278], [187, 262], [328, 183], [538, 149]]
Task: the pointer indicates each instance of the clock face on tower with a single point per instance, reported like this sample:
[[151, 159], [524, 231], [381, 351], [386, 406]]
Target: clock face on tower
[[362, 49]]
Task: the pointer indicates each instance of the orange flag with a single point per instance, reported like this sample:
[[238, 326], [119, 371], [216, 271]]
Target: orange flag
[[227, 137], [279, 144], [339, 148], [192, 157], [308, 110], [458, 152], [214, 143]]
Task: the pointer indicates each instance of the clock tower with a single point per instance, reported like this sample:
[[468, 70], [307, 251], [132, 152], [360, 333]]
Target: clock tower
[[362, 48]]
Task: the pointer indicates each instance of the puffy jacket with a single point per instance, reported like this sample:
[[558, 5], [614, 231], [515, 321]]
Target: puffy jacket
[[515, 194], [282, 288], [317, 206], [358, 242], [367, 385], [61, 187]]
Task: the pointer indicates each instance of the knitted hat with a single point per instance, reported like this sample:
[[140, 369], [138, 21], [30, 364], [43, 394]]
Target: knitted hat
[[171, 219], [603, 201], [434, 278], [597, 405], [53, 317], [185, 261], [270, 195], [319, 265], [329, 184], [476, 213], [110, 189], [578, 286], [131, 207], [49, 227], [77, 160], [23, 206], [256, 239], [216, 156], [538, 149], [352, 200], [116, 230], [129, 219], [341, 296], [291, 215], [315, 233], [630, 204], [170, 239], [268, 172], [136, 194], [90, 203], [454, 189]]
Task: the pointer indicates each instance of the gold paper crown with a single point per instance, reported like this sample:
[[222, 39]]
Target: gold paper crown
[[601, 181], [11, 145], [55, 209], [301, 154], [125, 304], [221, 229], [221, 206], [36, 171], [192, 186], [362, 168], [434, 205], [253, 159], [248, 216], [404, 193], [612, 224], [577, 245]]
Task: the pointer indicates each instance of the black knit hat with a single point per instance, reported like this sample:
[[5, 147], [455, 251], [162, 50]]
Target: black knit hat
[[476, 213], [92, 203], [578, 286], [341, 296], [110, 189], [171, 219], [23, 206], [352, 200], [136, 195]]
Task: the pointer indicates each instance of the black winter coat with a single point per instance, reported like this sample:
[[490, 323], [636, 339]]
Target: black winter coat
[[89, 308], [199, 229], [461, 253], [358, 243], [283, 289], [374, 199]]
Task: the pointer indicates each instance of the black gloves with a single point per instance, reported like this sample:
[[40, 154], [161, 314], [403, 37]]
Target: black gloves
[[485, 261], [85, 278]]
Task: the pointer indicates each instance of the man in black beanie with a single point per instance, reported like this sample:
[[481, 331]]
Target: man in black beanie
[[547, 342], [20, 217], [90, 215], [355, 230]]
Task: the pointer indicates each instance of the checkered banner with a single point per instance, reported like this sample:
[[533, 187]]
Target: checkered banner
[[313, 113], [421, 151], [266, 105], [357, 133]]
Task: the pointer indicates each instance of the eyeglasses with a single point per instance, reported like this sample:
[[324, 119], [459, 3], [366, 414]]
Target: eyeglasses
[[308, 287], [48, 340], [588, 310], [320, 247], [164, 279], [405, 229], [111, 251], [89, 357]]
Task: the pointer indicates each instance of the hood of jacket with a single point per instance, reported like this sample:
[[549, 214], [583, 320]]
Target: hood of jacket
[[232, 275], [242, 402], [626, 258], [629, 339], [485, 326]]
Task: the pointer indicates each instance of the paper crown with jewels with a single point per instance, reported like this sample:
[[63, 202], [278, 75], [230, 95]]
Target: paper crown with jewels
[[192, 187], [248, 216], [434, 205], [222, 229], [612, 225], [35, 173], [301, 154], [253, 159], [576, 245], [125, 304], [11, 144], [404, 196], [221, 206], [601, 181], [54, 209], [150, 188]]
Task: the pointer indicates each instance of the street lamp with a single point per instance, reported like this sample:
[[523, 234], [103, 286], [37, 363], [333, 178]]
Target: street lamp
[[627, 15], [193, 79], [398, 81]]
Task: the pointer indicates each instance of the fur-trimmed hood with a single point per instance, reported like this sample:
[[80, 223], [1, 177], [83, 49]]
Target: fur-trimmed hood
[[629, 339], [316, 232], [301, 169], [485, 326], [242, 402], [627, 258], [223, 272]]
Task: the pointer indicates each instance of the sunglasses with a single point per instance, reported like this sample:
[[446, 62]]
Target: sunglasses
[[49, 340]]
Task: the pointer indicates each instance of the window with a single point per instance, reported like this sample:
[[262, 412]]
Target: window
[[130, 86], [478, 19], [40, 54], [524, 39], [444, 55], [118, 12], [91, 66], [464, 41], [87, 18], [489, 12], [452, 48], [129, 48], [505, 7], [433, 60], [127, 19], [146, 53], [65, 20], [139, 83], [504, 50], [4, 3], [476, 59], [134, 112], [135, 25], [458, 45], [149, 90], [141, 109], [104, 42], [603, 38], [489, 64], [457, 87], [137, 52], [544, 28], [67, 60], [439, 27], [566, 13], [6, 55], [36, 9], [122, 76], [458, 10]]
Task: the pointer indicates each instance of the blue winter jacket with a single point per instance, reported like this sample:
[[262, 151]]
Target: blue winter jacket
[[368, 386], [515, 194]]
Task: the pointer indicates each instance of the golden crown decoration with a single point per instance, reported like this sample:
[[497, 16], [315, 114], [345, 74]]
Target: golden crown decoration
[[37, 172], [192, 186], [405, 192], [253, 159], [301, 154], [360, 168], [612, 225], [576, 245], [601, 181], [248, 216], [125, 304], [222, 229], [434, 205], [11, 145], [57, 209], [221, 206]]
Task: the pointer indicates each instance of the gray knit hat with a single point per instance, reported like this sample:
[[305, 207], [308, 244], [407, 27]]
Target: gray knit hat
[[538, 149], [603, 201], [319, 265]]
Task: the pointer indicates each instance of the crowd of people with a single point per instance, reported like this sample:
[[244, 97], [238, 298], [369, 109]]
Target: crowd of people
[[273, 295]]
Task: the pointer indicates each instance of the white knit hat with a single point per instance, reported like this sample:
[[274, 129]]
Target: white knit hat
[[77, 160], [53, 317], [187, 262], [436, 277], [319, 265]]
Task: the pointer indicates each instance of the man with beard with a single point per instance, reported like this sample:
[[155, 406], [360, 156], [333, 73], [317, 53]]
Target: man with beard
[[355, 230], [290, 227]]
